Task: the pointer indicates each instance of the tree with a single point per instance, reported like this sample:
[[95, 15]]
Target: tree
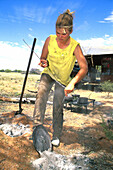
[[7, 70], [2, 70]]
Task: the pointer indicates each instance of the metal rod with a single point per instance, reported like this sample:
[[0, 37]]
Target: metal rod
[[30, 48], [25, 79]]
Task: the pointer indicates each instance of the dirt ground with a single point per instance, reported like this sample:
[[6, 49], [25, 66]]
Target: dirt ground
[[83, 132]]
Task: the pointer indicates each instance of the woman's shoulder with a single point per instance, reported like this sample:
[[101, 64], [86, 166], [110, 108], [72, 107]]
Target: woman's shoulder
[[52, 39], [52, 36], [74, 41]]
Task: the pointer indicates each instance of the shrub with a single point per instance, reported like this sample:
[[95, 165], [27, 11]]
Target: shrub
[[107, 86], [108, 132]]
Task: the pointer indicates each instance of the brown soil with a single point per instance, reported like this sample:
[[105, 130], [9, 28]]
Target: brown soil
[[82, 133]]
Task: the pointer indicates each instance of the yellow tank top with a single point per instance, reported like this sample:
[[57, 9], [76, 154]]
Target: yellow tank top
[[61, 61]]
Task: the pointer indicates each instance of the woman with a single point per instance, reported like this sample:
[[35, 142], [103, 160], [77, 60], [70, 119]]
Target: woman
[[58, 57]]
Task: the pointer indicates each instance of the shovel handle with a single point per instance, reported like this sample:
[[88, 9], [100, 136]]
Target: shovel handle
[[25, 79]]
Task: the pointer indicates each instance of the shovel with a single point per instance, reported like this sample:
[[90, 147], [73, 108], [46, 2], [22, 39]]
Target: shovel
[[25, 79]]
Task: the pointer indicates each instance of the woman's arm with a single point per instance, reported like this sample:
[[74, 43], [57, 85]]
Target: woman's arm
[[43, 62], [82, 72]]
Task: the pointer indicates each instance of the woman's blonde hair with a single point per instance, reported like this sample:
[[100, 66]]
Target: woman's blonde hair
[[65, 20]]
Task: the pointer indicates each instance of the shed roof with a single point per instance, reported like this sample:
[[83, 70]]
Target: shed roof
[[98, 57]]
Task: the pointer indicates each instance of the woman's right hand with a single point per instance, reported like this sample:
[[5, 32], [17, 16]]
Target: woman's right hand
[[43, 63]]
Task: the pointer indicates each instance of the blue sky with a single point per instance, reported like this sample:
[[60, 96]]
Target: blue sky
[[29, 19]]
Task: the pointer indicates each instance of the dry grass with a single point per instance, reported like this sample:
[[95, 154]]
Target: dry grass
[[11, 84]]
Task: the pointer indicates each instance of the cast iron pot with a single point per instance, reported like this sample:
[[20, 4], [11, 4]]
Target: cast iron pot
[[83, 100]]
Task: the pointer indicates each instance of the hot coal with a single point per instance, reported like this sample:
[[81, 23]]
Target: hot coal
[[51, 160], [14, 130]]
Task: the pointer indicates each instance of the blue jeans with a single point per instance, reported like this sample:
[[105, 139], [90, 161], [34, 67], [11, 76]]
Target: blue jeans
[[44, 88]]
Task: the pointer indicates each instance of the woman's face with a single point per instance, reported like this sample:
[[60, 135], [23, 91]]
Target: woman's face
[[62, 34]]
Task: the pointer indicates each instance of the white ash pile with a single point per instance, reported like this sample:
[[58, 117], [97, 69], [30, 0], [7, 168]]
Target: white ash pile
[[52, 161], [14, 130]]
